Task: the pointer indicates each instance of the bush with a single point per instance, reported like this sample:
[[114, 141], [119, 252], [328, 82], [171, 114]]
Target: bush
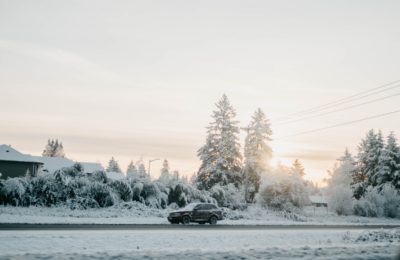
[[228, 196], [340, 200], [284, 195], [13, 192], [123, 189], [381, 201]]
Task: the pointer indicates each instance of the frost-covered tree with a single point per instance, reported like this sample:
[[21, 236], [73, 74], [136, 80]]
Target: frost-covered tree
[[113, 166], [369, 152], [220, 156], [165, 176], [54, 148], [389, 164], [339, 191], [131, 172], [297, 169], [141, 169], [257, 153]]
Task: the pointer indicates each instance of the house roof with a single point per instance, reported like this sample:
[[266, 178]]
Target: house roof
[[318, 199], [52, 164], [7, 153]]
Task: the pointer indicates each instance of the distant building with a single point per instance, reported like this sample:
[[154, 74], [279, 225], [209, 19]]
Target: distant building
[[16, 164], [318, 201]]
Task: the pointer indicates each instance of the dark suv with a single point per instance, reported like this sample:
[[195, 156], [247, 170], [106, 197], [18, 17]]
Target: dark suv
[[196, 212]]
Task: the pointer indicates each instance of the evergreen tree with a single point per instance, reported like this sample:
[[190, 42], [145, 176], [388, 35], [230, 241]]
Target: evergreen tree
[[297, 169], [53, 149], [257, 153], [113, 166], [339, 189], [165, 177], [389, 164], [220, 156], [141, 169], [369, 152], [132, 172]]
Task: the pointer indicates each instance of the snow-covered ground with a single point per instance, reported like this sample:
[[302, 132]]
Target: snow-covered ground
[[136, 213], [204, 244]]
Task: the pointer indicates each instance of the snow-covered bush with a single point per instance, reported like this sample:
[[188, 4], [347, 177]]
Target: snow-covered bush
[[340, 200], [101, 193], [14, 192], [123, 189], [228, 196], [376, 202], [284, 195], [44, 190], [391, 198]]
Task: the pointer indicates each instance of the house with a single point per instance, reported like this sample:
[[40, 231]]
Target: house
[[16, 164], [318, 201]]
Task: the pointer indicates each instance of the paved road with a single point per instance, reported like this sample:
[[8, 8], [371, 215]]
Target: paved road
[[185, 227]]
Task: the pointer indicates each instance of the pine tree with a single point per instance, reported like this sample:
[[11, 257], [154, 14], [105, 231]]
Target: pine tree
[[339, 189], [132, 172], [113, 166], [141, 170], [297, 169], [257, 153], [389, 164], [165, 177], [53, 149], [220, 156], [369, 152]]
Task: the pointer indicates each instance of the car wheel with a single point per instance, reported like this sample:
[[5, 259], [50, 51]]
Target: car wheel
[[213, 220], [202, 223], [185, 220]]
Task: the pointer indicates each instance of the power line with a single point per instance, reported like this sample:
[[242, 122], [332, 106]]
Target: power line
[[340, 124], [338, 110], [344, 100]]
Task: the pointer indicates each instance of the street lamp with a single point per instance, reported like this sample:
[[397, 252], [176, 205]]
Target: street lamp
[[150, 161]]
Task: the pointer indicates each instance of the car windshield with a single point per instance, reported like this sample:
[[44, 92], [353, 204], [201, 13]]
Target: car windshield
[[190, 206]]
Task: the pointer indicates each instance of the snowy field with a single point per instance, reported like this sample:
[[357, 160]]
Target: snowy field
[[139, 214], [204, 244]]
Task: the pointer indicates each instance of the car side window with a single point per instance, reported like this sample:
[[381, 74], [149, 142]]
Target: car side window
[[213, 206], [199, 207]]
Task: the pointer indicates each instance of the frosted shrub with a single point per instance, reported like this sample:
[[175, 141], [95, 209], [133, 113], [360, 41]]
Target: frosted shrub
[[123, 189], [13, 191], [284, 195], [177, 196], [44, 190], [365, 208], [99, 176], [101, 193], [66, 174], [340, 200], [381, 201], [136, 191], [391, 205], [228, 196]]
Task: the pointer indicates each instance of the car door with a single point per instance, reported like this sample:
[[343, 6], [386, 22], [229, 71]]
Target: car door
[[197, 213]]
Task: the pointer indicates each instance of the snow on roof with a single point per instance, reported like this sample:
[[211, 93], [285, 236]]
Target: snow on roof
[[7, 153], [116, 175], [52, 164], [318, 199], [92, 167]]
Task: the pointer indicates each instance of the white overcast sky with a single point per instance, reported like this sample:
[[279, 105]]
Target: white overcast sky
[[132, 78]]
